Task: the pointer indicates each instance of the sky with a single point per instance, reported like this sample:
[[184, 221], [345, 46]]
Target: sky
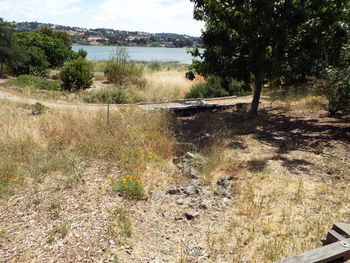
[[154, 16]]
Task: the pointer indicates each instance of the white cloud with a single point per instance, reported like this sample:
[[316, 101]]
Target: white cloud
[[173, 16], [21, 10], [3, 7]]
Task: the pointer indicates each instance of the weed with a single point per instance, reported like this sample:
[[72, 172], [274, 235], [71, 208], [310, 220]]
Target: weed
[[62, 229], [55, 205], [37, 201], [50, 239], [38, 108], [120, 224], [130, 186], [3, 231]]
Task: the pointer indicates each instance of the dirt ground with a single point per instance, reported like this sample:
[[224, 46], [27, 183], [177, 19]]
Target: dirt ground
[[266, 160]]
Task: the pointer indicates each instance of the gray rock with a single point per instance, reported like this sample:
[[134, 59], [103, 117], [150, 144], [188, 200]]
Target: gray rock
[[225, 182], [166, 214], [221, 190], [173, 190], [180, 201], [189, 171], [205, 204], [193, 156], [197, 252], [191, 189], [156, 194], [191, 215]]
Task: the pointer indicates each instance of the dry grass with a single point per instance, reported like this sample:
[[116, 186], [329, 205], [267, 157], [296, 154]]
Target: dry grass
[[290, 167], [287, 194], [277, 213], [165, 85], [59, 142]]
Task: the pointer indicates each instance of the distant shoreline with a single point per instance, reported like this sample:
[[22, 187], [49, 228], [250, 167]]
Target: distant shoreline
[[91, 45]]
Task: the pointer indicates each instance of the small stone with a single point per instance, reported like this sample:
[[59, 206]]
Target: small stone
[[225, 182], [166, 214], [173, 190], [221, 190], [112, 242], [156, 194], [191, 215], [197, 252], [180, 201], [205, 204], [191, 190], [189, 171]]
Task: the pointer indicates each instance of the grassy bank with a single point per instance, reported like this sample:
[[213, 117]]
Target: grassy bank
[[61, 143]]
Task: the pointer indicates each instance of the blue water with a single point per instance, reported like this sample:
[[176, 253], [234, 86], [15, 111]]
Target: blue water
[[147, 54]]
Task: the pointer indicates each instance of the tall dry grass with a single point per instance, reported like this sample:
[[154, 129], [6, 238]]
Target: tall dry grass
[[165, 85], [60, 142]]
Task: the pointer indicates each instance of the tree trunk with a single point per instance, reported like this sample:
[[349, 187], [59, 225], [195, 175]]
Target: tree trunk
[[1, 69], [259, 82]]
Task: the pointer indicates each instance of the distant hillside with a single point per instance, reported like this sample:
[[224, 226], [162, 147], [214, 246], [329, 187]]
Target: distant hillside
[[105, 36]]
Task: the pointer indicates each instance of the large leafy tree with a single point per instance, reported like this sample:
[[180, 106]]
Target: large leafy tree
[[7, 45], [40, 52], [265, 39]]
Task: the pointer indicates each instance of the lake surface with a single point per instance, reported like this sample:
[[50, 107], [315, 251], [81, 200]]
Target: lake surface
[[148, 54]]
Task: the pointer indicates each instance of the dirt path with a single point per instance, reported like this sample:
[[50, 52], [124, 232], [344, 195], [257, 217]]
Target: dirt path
[[171, 105]]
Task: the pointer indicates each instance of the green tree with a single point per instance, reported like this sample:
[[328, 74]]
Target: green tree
[[38, 52], [120, 70], [76, 74], [7, 45], [64, 36], [265, 39]]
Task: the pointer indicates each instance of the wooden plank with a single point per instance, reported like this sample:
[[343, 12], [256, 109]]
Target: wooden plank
[[329, 253], [342, 228], [333, 236]]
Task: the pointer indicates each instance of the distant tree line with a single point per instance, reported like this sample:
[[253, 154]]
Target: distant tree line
[[106, 36]]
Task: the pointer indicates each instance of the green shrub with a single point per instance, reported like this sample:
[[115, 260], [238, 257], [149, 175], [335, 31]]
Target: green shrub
[[155, 66], [214, 87], [120, 71], [113, 96], [130, 186], [76, 74], [33, 82], [38, 108], [338, 89], [82, 53]]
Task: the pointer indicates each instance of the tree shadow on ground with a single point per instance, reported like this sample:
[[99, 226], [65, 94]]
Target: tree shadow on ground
[[276, 128]]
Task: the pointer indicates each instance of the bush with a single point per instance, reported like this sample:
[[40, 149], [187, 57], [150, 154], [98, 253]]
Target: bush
[[76, 74], [33, 82], [130, 186], [38, 108], [155, 66], [338, 89], [120, 71], [214, 87], [113, 96], [82, 53]]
